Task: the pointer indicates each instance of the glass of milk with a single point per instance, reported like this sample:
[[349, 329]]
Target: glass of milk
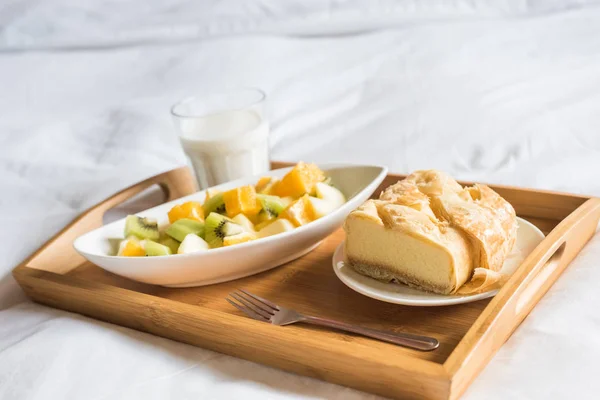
[[225, 135]]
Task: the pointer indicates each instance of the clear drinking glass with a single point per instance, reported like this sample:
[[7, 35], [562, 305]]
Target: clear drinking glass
[[225, 135]]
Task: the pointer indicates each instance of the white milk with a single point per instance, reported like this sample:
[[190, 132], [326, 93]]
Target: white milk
[[226, 145]]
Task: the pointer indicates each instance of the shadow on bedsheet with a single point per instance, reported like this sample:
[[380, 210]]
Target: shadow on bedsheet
[[10, 292]]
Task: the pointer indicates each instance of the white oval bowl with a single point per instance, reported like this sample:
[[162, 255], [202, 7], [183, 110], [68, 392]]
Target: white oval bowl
[[357, 182]]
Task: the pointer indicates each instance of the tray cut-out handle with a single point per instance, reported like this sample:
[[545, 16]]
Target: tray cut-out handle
[[553, 255], [59, 250], [521, 293]]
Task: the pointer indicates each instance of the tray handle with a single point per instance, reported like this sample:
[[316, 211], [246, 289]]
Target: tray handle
[[551, 257], [58, 254]]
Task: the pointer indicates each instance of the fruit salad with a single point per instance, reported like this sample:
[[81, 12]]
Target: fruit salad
[[239, 215]]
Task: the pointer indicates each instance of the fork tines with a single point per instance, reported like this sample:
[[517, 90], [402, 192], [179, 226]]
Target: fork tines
[[252, 305]]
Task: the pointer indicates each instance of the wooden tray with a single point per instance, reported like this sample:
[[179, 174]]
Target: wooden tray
[[469, 334]]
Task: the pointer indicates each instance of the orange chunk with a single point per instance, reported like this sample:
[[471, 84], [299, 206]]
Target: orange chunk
[[239, 238], [266, 185], [300, 180], [262, 183], [131, 248], [300, 212], [241, 200], [190, 210]]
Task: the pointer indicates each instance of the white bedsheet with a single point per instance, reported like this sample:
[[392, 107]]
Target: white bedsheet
[[503, 92]]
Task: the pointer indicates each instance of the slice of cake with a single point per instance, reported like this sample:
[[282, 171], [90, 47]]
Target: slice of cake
[[429, 232]]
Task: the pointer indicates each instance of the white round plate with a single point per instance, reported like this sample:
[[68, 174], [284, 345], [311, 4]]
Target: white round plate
[[528, 237]]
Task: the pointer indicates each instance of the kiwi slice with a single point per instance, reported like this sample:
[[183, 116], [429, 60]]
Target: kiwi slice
[[143, 228], [214, 204], [156, 249], [183, 227], [272, 206], [170, 243], [218, 227]]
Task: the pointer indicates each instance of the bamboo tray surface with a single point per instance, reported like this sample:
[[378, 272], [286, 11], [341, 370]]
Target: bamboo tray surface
[[469, 334]]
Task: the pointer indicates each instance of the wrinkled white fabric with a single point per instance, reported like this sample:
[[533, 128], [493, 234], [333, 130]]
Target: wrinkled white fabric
[[502, 92]]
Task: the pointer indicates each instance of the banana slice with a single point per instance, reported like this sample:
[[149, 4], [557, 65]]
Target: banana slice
[[330, 195], [191, 244]]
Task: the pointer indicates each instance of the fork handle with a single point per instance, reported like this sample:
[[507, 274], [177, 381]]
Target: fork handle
[[417, 342]]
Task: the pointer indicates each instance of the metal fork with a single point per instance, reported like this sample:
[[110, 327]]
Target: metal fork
[[263, 310]]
